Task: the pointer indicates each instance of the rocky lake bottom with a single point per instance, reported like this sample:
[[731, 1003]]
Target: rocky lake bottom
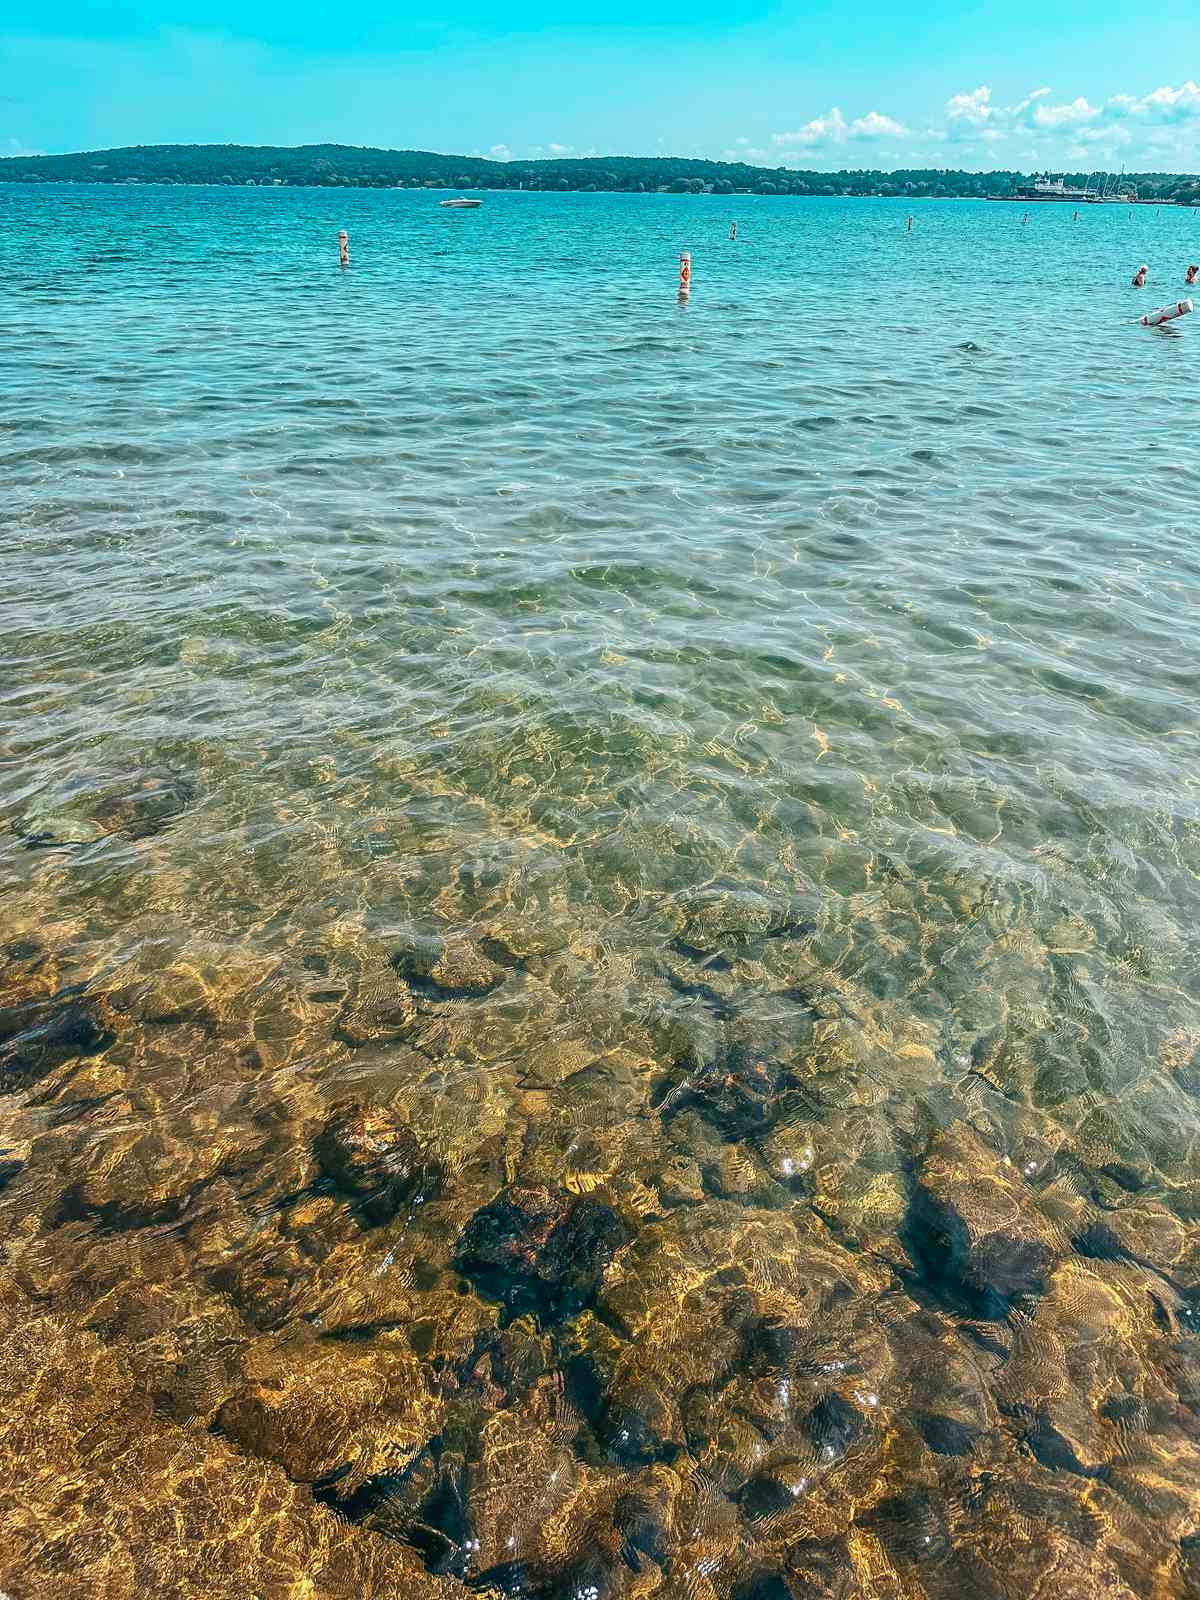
[[510, 1257]]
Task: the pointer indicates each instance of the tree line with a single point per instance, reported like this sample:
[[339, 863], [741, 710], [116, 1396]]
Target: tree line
[[348, 166]]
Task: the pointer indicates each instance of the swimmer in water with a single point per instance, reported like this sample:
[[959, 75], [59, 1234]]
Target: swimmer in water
[[1139, 278], [1191, 276], [733, 230]]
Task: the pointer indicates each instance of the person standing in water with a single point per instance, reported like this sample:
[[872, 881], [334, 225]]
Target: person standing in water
[[733, 230], [1139, 278], [1191, 275]]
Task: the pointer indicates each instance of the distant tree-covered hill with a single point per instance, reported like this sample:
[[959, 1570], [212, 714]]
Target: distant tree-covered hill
[[339, 165]]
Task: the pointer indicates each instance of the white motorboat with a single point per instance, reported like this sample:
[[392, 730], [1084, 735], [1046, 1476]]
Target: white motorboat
[[462, 204]]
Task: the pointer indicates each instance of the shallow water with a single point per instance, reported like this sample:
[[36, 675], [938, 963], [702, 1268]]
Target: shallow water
[[599, 893]]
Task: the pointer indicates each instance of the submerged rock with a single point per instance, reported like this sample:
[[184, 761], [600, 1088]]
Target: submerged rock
[[633, 1420], [789, 1154], [762, 1586], [138, 804], [1148, 1234], [642, 1526], [171, 1510], [833, 1426], [441, 1531], [912, 1527], [373, 1155], [541, 1250], [142, 803], [716, 914], [775, 1491], [35, 1039], [314, 1409], [741, 1092], [1048, 1445], [445, 969], [973, 1230], [680, 1181], [822, 1569], [513, 937], [20, 952], [1115, 1148], [946, 1436], [57, 830], [770, 1346]]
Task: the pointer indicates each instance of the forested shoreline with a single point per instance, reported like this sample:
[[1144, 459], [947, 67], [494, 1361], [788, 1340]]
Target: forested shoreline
[[349, 166]]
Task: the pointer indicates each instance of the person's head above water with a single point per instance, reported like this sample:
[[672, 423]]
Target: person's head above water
[[1192, 273]]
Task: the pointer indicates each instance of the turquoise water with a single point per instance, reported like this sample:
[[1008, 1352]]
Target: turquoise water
[[482, 609]]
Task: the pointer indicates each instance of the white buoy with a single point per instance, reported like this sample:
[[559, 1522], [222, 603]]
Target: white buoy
[[1155, 319], [344, 247], [685, 273]]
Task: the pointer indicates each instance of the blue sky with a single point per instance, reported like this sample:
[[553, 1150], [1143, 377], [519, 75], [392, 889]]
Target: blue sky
[[973, 83]]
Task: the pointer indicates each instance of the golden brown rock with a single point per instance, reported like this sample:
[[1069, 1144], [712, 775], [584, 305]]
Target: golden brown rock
[[102, 1501], [316, 1410]]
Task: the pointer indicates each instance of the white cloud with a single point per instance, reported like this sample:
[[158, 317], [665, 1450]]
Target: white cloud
[[1069, 115], [830, 127], [972, 115], [833, 128], [500, 152], [561, 149], [1174, 105], [1041, 130], [876, 126], [14, 147], [973, 106]]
